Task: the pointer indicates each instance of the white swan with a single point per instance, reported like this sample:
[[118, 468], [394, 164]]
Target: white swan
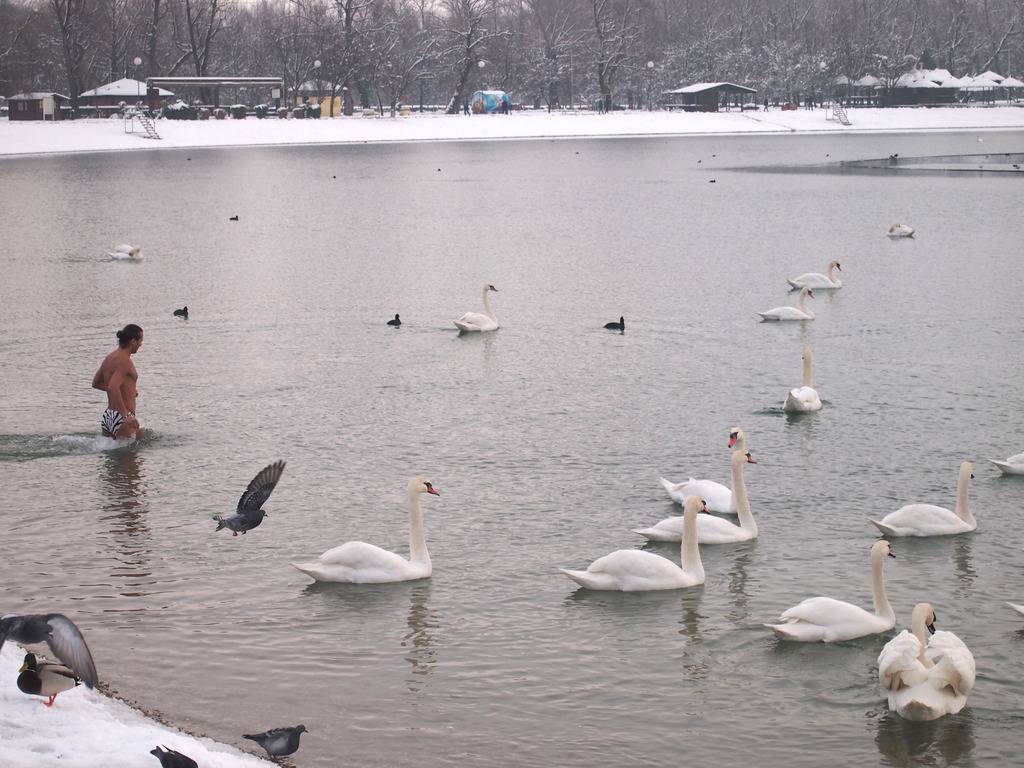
[[930, 520], [718, 497], [926, 681], [817, 280], [361, 563], [633, 570], [900, 230], [804, 399], [1011, 466], [474, 321], [791, 313], [822, 619], [126, 252], [711, 529]]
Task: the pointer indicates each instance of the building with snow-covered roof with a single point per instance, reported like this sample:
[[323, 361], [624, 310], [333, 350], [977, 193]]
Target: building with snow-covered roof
[[36, 106], [707, 97], [923, 86], [107, 99]]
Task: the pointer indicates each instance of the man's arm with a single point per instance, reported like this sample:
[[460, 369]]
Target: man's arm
[[114, 389], [97, 380]]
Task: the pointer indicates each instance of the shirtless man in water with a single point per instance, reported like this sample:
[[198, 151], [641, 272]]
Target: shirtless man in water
[[119, 379]]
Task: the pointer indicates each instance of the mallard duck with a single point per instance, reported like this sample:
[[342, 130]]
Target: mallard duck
[[44, 678], [57, 631]]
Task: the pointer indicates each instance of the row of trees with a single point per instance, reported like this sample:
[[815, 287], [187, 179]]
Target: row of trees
[[545, 52]]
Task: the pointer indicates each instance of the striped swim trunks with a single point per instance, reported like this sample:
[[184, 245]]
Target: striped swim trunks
[[111, 421]]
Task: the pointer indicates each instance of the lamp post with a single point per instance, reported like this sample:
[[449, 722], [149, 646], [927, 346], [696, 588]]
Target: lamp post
[[316, 68], [571, 106], [138, 86], [650, 76], [823, 66]]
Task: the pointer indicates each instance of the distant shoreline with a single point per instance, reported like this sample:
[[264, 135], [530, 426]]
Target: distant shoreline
[[33, 139]]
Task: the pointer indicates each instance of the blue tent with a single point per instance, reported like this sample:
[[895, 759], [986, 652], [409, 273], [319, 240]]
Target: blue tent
[[488, 101]]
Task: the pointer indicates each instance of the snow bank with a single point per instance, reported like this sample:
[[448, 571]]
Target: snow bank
[[85, 729], [19, 138]]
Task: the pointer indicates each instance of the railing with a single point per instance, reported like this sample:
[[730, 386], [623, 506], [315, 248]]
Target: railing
[[839, 113], [149, 130]]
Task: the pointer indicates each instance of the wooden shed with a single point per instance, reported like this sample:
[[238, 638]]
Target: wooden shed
[[707, 97], [36, 106]]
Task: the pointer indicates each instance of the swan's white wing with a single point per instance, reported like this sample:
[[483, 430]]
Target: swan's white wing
[[786, 313], [918, 515], [718, 530], [718, 497], [898, 663], [710, 530], [361, 556], [669, 529], [826, 611], [813, 280], [475, 318], [1012, 466], [954, 662], [1018, 608], [803, 399], [634, 563]]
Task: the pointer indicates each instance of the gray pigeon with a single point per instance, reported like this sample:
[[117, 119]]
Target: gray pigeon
[[170, 758], [57, 631], [249, 513], [278, 741]]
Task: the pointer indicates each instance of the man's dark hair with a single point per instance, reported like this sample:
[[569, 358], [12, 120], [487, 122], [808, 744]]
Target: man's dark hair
[[128, 334]]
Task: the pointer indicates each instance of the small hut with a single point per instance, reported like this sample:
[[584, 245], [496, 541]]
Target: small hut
[[708, 97], [36, 106]]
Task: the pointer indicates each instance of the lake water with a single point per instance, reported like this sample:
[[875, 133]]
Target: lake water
[[546, 439]]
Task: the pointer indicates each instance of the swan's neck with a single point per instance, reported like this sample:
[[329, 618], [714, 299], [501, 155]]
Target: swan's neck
[[832, 273], [882, 608], [487, 304], [739, 494], [803, 302], [417, 535], [920, 631], [808, 380], [690, 550], [963, 507]]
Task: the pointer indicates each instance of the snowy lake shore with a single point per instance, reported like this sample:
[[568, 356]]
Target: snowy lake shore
[[86, 729], [91, 135]]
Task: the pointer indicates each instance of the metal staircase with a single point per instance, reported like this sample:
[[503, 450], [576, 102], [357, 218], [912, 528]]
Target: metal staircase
[[839, 113], [149, 129]]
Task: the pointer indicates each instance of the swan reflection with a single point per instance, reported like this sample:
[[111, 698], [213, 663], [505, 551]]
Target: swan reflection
[[962, 563], [945, 741], [418, 640]]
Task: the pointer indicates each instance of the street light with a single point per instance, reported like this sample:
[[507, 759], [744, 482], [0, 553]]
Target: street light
[[138, 86], [316, 66], [822, 66], [650, 76]]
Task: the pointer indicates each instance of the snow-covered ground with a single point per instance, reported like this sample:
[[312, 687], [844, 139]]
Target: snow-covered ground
[[20, 138], [85, 729]]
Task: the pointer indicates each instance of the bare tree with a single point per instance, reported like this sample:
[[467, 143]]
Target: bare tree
[[466, 33], [73, 26], [615, 33]]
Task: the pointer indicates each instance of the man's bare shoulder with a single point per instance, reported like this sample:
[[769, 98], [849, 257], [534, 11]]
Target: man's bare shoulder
[[116, 360]]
